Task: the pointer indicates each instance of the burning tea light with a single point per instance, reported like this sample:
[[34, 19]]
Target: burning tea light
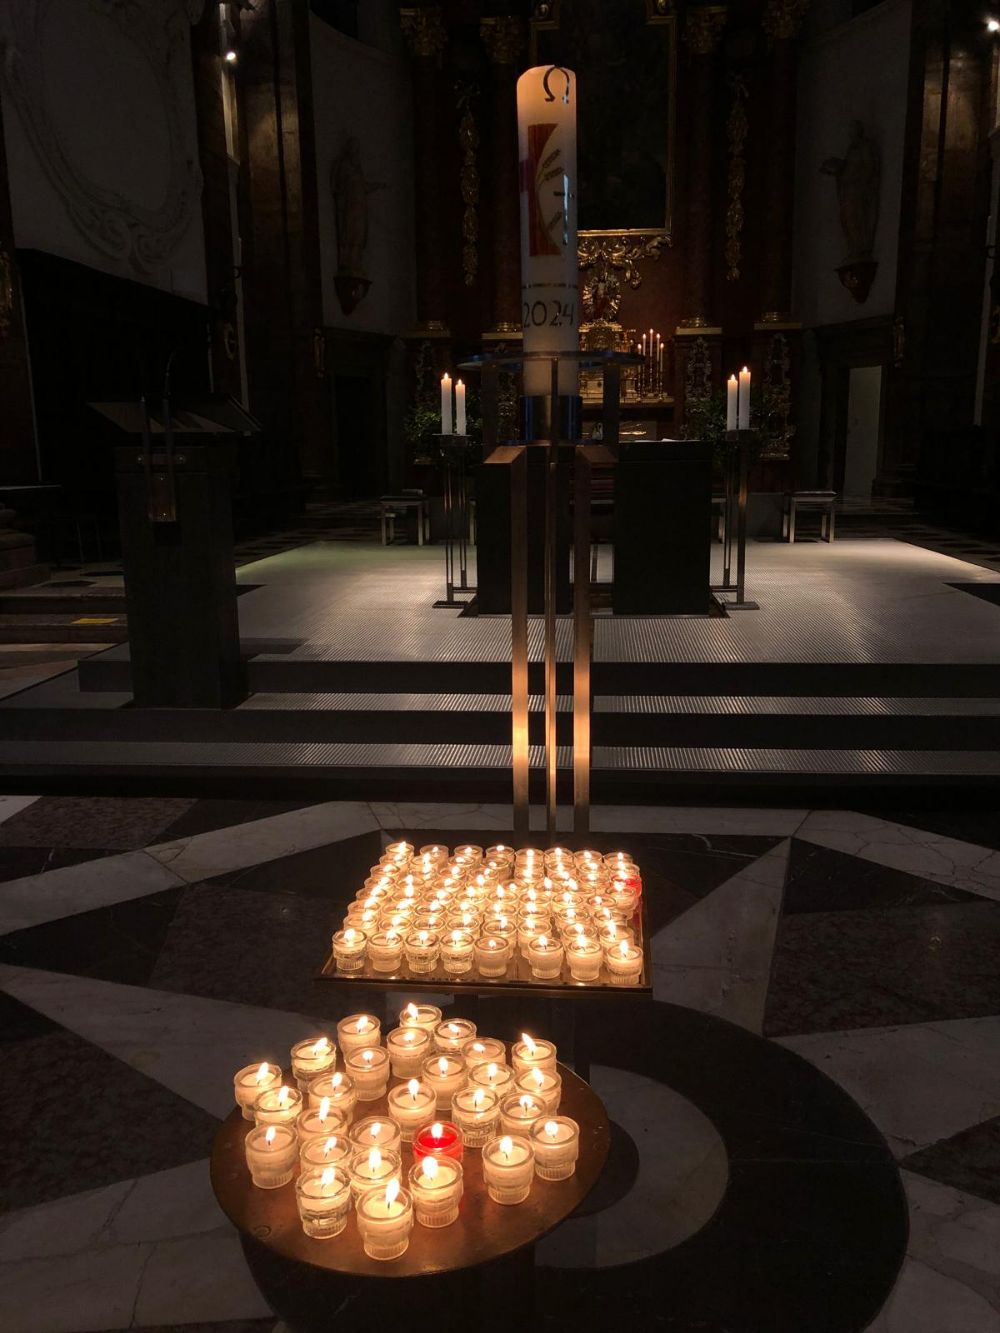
[[349, 949], [557, 1146], [272, 1152], [458, 946], [519, 1111], [542, 1084], [545, 957], [411, 1105], [336, 1150], [436, 1187], [278, 1106], [370, 1071], [314, 1056], [497, 1078], [357, 1032], [323, 1195], [584, 955], [408, 1047], [339, 1089], [397, 851], [374, 1131], [483, 1051], [439, 1139], [422, 948], [426, 1016], [476, 1112], [319, 1122], [250, 1082], [493, 954], [385, 1220], [624, 963], [451, 1035], [508, 1168], [371, 1169], [385, 950], [528, 1054], [446, 1074]]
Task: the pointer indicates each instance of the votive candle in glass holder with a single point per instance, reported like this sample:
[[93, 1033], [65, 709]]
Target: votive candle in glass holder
[[623, 899], [370, 1071], [385, 1220], [556, 1142], [408, 1048], [624, 963], [425, 1016], [411, 1105], [349, 949], [458, 946], [375, 1131], [340, 1090], [361, 918], [545, 957], [493, 955], [435, 850], [436, 1186], [335, 1150], [319, 1122], [508, 1168], [585, 956], [451, 1035], [251, 1081], [385, 950], [483, 1051], [531, 924], [312, 1057], [519, 1111], [422, 948], [272, 1153], [395, 852], [542, 1084], [531, 1054], [323, 1194], [358, 1031], [278, 1106], [446, 1074], [441, 1138], [372, 1169], [498, 1078], [476, 1112], [502, 926], [468, 852]]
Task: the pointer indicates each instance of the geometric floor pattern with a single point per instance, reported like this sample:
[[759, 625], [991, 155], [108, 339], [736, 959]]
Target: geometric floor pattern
[[149, 947]]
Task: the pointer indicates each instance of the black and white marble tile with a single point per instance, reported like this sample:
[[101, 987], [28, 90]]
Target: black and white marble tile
[[81, 888]]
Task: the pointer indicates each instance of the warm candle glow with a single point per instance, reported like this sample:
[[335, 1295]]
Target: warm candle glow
[[437, 1130], [413, 1087], [391, 1190], [349, 936], [330, 1144], [261, 1073], [328, 1175], [283, 1096], [478, 1097], [337, 1080], [525, 1102], [368, 1056], [454, 1029], [324, 1108], [411, 1011], [362, 1023], [529, 1043], [539, 1077], [491, 1072], [443, 1065], [375, 1130], [374, 1160], [551, 1128], [506, 1145], [269, 1136], [623, 948], [429, 1167]]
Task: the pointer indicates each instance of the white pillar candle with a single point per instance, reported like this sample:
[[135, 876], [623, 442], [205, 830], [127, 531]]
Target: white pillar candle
[[546, 125], [446, 429], [624, 963], [251, 1081], [278, 1106], [372, 1169], [357, 1031], [375, 1131], [519, 1111], [370, 1071], [319, 1122], [732, 402], [543, 1085], [496, 1077], [457, 944], [743, 414], [385, 950], [529, 1053], [349, 949], [493, 955], [459, 417], [385, 1220], [508, 1168], [483, 1051], [272, 1153], [334, 1150], [312, 1057], [585, 954], [339, 1088], [556, 1142], [436, 1186], [411, 1105], [323, 1195], [408, 1048], [451, 1035], [426, 1016], [446, 1074]]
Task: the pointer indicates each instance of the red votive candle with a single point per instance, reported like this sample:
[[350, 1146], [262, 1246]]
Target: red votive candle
[[440, 1139]]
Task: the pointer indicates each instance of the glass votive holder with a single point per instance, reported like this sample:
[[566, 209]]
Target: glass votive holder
[[508, 1168], [385, 950], [436, 1187], [397, 851], [476, 1112], [624, 963], [545, 957], [323, 1194], [372, 1169], [469, 852], [411, 1105], [451, 1035], [340, 1090], [585, 956], [556, 1142], [530, 925], [385, 1220], [272, 1153], [542, 1084], [312, 1057], [480, 1050], [457, 944], [422, 948], [496, 1077], [335, 1150], [251, 1081], [519, 1111], [425, 1016], [370, 1071], [361, 918], [358, 1031], [431, 923], [493, 954], [374, 1131], [408, 1049], [446, 1075], [435, 851], [503, 927], [529, 1053], [278, 1106], [441, 1138], [349, 949], [319, 1122]]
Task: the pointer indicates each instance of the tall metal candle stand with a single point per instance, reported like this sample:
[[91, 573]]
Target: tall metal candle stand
[[456, 519], [739, 450]]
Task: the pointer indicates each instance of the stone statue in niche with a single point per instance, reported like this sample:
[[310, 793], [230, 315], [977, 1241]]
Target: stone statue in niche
[[858, 175], [350, 198]]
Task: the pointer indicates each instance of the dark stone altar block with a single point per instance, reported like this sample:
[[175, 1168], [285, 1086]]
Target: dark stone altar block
[[663, 499], [180, 582], [493, 531]]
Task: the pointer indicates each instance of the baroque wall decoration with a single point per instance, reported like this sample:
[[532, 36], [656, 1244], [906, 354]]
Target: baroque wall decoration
[[619, 252], [113, 224], [737, 126], [778, 426], [698, 373], [468, 138]]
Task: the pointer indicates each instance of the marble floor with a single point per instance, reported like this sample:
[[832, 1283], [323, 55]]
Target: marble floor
[[805, 1118]]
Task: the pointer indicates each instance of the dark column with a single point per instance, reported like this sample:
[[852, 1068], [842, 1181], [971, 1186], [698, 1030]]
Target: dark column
[[701, 34], [17, 430], [503, 39]]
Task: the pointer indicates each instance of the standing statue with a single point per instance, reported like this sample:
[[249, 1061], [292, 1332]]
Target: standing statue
[[858, 175], [350, 198]]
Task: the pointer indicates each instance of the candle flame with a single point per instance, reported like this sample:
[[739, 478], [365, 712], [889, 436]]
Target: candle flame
[[349, 935], [368, 1057], [429, 1167], [491, 944], [363, 1023], [538, 1076], [478, 1097], [412, 1012], [422, 936], [283, 1095], [551, 1128], [506, 1145], [374, 1160], [623, 948], [529, 1043], [324, 1108], [408, 1037], [437, 1130], [375, 1130], [491, 1072], [391, 1190], [413, 1087], [329, 1145], [328, 1176], [454, 1029], [525, 1102], [543, 942], [336, 1081], [269, 1136], [443, 1065], [456, 936], [262, 1073], [478, 1046]]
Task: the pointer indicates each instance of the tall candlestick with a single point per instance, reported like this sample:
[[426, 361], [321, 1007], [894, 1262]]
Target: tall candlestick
[[446, 417], [743, 419], [732, 402], [459, 408]]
